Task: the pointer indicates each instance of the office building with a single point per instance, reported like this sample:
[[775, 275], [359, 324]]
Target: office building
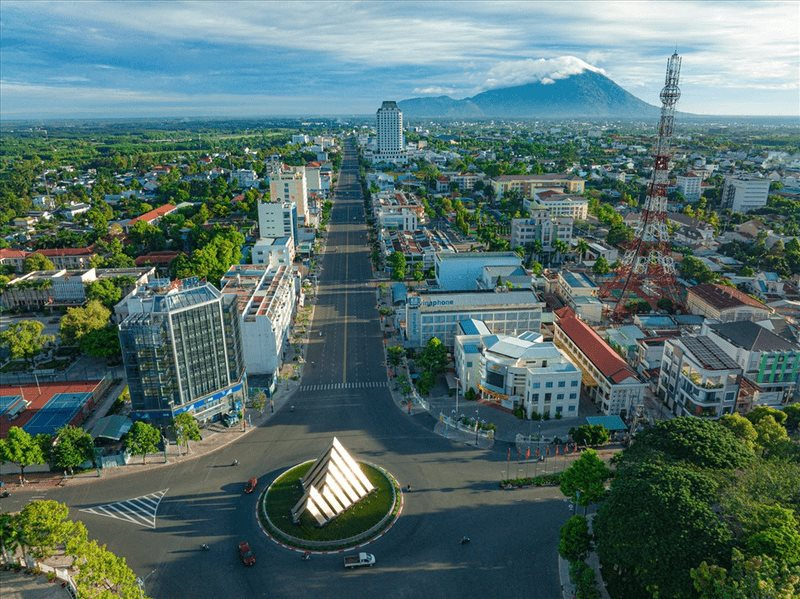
[[541, 227], [698, 378], [289, 185], [461, 272], [610, 382], [389, 126], [437, 314], [182, 348], [743, 193], [265, 299], [278, 219], [517, 371], [558, 204], [274, 251], [769, 362]]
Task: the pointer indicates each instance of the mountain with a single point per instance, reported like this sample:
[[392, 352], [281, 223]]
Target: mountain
[[588, 94]]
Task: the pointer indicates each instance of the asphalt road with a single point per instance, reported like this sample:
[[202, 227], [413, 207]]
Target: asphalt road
[[454, 488]]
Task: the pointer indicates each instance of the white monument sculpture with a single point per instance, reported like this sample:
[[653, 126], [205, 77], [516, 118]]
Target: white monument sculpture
[[334, 484]]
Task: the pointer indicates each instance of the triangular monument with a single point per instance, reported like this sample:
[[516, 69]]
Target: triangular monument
[[334, 484]]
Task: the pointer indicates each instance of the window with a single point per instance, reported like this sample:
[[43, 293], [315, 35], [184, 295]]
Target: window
[[536, 385], [548, 385], [573, 396], [562, 383], [547, 397], [570, 408], [573, 383], [469, 364], [560, 397]]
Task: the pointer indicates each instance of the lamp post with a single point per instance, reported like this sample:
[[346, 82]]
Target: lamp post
[[477, 423], [453, 418]]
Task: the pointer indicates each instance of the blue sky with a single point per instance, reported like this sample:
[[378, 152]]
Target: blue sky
[[139, 59]]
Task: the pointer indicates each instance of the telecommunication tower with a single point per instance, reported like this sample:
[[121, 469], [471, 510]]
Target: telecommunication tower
[[647, 270]]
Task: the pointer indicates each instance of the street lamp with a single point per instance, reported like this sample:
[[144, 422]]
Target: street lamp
[[477, 423]]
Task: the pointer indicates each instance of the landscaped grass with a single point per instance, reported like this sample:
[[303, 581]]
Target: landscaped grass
[[286, 492], [15, 367]]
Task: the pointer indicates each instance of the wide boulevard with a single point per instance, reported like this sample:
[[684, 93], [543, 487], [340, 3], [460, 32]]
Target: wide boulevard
[[454, 488]]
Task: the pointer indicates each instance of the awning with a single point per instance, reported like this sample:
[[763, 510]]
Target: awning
[[111, 427]]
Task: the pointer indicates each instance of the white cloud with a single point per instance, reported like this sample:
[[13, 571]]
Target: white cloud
[[433, 90], [546, 70]]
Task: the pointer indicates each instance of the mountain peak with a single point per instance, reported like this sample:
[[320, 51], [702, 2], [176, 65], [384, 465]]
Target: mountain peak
[[572, 91]]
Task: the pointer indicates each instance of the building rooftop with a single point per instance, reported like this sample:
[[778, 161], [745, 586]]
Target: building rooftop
[[473, 255], [752, 337], [153, 214], [471, 326], [447, 300], [722, 297], [577, 280], [708, 353], [543, 177], [605, 359]]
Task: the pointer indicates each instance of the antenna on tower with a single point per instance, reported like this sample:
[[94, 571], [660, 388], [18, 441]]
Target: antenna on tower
[[647, 269]]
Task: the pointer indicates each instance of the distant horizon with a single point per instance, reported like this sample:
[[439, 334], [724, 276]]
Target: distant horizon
[[148, 58]]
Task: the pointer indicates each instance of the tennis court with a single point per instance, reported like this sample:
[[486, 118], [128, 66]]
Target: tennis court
[[57, 412], [7, 402]]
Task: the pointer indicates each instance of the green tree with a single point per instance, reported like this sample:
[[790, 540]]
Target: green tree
[[142, 439], [186, 429], [575, 541], [582, 247], [756, 577], [792, 412], [657, 523], [44, 525], [102, 343], [694, 269], [25, 339], [22, 449], [37, 262], [419, 272], [664, 303], [600, 266], [770, 433], [78, 322], [584, 480], [741, 427], [259, 401], [395, 353], [590, 434], [103, 575], [72, 447], [759, 412], [433, 357], [104, 291], [774, 531], [397, 262]]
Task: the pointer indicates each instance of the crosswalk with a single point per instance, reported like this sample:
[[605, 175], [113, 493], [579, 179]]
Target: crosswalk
[[355, 385], [139, 510]]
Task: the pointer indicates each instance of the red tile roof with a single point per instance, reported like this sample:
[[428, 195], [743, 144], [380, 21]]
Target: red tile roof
[[156, 258], [597, 351], [722, 297], [87, 251], [10, 254], [153, 214]]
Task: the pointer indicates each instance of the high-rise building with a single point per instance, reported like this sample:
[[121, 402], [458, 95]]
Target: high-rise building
[[290, 186], [743, 193], [389, 124], [278, 219], [182, 348], [689, 186]]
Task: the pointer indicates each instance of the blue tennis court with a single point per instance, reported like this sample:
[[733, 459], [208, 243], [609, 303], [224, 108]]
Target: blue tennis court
[[57, 412], [7, 402]]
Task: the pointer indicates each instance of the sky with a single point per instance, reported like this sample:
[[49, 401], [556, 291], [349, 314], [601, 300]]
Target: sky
[[147, 59]]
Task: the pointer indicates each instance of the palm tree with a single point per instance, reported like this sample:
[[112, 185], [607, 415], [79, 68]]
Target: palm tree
[[560, 246], [582, 247]]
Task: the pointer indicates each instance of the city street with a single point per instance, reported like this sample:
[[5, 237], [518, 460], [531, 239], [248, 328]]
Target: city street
[[343, 392]]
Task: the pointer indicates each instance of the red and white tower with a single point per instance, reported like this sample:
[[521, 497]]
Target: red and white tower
[[647, 270]]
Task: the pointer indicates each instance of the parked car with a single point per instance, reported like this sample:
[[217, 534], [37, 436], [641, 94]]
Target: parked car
[[251, 485], [246, 554]]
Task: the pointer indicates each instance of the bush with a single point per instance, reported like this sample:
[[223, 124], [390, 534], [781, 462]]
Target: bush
[[519, 413], [544, 480], [575, 540]]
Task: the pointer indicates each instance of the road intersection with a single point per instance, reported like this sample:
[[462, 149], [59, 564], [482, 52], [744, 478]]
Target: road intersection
[[343, 393]]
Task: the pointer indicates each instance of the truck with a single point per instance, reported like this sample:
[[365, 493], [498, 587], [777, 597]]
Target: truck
[[356, 561]]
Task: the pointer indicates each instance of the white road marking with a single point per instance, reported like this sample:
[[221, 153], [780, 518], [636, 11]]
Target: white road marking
[[139, 510]]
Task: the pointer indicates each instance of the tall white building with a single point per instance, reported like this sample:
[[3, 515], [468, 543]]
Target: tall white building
[[689, 186], [265, 299], [389, 124], [743, 193], [277, 219], [290, 186]]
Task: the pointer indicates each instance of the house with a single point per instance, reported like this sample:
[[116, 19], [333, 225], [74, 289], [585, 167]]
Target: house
[[152, 217], [724, 303], [13, 258]]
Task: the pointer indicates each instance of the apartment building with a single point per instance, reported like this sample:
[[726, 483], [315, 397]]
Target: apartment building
[[289, 186], [527, 185], [743, 193]]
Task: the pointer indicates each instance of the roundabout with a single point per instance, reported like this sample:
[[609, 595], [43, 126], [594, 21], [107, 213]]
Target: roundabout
[[361, 523]]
